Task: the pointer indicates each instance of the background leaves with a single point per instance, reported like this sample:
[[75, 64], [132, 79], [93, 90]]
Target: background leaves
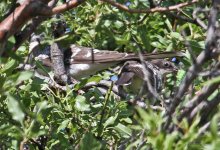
[[74, 119]]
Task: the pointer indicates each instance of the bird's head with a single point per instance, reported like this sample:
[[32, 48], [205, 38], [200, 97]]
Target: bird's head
[[165, 66]]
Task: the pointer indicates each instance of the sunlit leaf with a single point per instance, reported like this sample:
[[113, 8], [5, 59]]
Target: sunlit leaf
[[123, 130], [63, 125], [110, 121], [9, 66], [25, 75], [15, 109], [81, 104]]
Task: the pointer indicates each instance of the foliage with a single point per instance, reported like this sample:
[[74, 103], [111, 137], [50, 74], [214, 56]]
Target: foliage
[[89, 120]]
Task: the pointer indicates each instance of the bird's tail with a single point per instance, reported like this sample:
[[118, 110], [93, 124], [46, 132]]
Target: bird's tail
[[159, 55], [148, 56]]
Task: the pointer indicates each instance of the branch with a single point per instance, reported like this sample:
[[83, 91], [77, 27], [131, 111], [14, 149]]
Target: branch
[[51, 83], [67, 6], [182, 18], [31, 27], [190, 76], [153, 10], [205, 107], [195, 68], [193, 104], [29, 9], [198, 20]]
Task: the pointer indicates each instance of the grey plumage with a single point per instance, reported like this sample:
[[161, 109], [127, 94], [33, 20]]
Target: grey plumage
[[82, 61], [87, 55], [132, 74]]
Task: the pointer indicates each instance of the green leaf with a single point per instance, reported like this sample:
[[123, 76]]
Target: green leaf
[[63, 125], [212, 81], [123, 130], [107, 23], [83, 82], [180, 76], [176, 35], [9, 66], [124, 39], [169, 24], [15, 109], [110, 120], [214, 126], [94, 79], [170, 47], [118, 24], [121, 41], [25, 75], [157, 44], [142, 30], [12, 40], [81, 104], [127, 120], [22, 48], [89, 142], [40, 106], [170, 140]]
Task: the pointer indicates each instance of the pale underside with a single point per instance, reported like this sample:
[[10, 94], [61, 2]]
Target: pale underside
[[78, 71]]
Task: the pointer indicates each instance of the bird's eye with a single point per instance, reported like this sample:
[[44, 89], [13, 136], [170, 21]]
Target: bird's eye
[[166, 64]]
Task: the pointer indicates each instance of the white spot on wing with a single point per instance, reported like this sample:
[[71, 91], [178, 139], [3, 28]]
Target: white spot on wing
[[126, 54], [75, 51], [96, 51], [88, 54], [41, 57]]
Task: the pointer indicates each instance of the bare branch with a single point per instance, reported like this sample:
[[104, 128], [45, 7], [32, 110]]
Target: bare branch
[[67, 6], [152, 10], [195, 68], [29, 9], [204, 94], [205, 107], [198, 20], [31, 27]]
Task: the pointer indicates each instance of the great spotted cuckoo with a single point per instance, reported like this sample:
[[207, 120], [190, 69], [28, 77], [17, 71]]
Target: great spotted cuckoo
[[135, 75], [78, 61], [83, 61]]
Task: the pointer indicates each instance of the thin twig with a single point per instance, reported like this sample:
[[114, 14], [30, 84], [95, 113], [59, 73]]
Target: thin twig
[[187, 44], [196, 68], [100, 126], [151, 89], [31, 27], [153, 10], [198, 20]]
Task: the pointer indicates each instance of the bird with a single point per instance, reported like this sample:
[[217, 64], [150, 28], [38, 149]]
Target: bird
[[82, 61], [133, 75]]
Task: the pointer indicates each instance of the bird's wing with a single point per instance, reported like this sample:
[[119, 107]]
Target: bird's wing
[[125, 78], [44, 59], [128, 71], [89, 55], [81, 54]]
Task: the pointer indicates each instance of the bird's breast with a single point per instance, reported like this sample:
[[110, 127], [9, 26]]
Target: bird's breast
[[78, 71], [136, 85]]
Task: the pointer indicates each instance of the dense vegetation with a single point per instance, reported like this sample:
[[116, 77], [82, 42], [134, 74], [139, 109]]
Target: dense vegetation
[[36, 116]]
